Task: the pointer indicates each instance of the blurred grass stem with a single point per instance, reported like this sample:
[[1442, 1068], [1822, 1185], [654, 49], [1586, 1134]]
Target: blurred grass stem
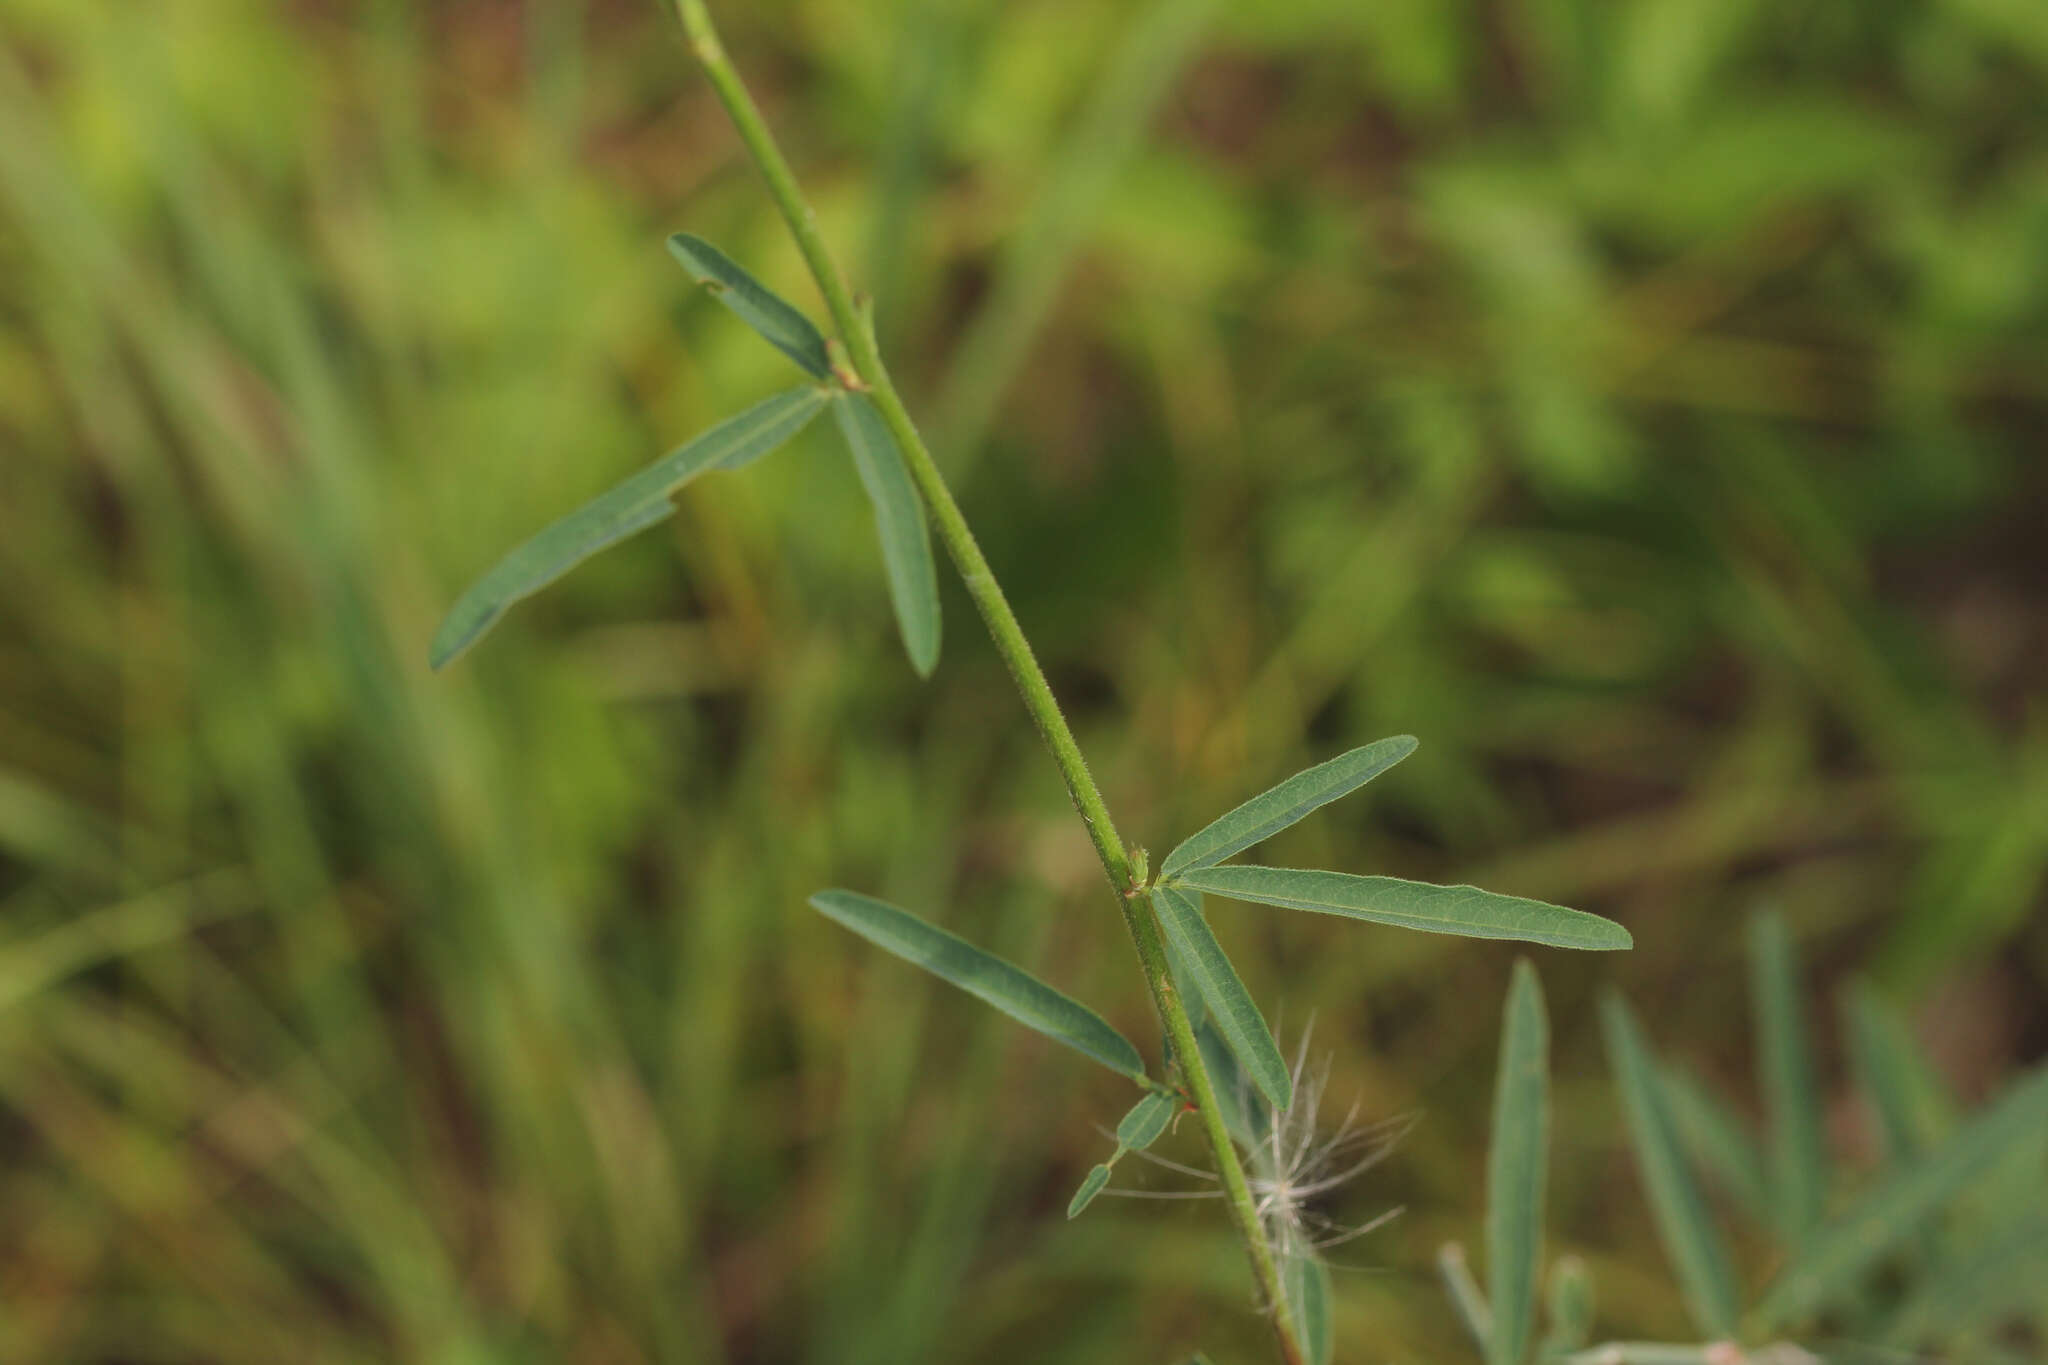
[[856, 333]]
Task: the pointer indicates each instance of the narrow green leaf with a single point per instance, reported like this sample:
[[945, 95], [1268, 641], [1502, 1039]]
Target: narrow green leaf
[[1229, 1004], [1785, 1076], [900, 521], [1190, 994], [1972, 1293], [1246, 1116], [1464, 910], [1515, 1169], [1843, 1250], [1098, 1176], [1570, 1304], [1275, 809], [1010, 989], [1147, 1119], [1716, 1141], [633, 505], [1904, 1092], [1466, 1296], [1689, 1235], [1306, 1282], [778, 320]]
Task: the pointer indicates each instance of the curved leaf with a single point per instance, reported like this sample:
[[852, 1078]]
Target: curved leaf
[[1515, 1169], [778, 320], [1463, 910], [900, 522], [1229, 1004], [1275, 809], [633, 505], [1010, 989], [1690, 1237]]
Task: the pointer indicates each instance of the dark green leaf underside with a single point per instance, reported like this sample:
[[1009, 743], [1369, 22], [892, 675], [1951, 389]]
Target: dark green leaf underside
[[900, 522], [1275, 809], [1308, 1293], [1462, 910], [1009, 988], [1229, 1005], [634, 505], [778, 320]]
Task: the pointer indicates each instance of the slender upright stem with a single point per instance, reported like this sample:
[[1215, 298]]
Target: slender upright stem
[[858, 338]]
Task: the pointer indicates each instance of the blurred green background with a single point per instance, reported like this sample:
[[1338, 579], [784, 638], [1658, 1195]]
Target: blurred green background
[[1643, 403]]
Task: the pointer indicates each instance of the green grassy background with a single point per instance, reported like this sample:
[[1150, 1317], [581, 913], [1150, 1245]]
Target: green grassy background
[[1642, 403]]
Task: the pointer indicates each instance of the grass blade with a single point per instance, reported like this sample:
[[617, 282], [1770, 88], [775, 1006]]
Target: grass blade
[[778, 320], [1515, 1169], [1147, 1119], [1307, 1285], [1716, 1140], [1689, 1235], [1786, 1079], [1465, 1294], [1974, 1291], [1463, 910], [900, 522], [1570, 1302], [1230, 1005], [1901, 1088], [1010, 989], [1841, 1252], [1275, 809], [1098, 1176], [634, 505]]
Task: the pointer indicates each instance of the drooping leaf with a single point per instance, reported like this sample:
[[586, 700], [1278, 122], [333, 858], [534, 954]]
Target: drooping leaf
[[1690, 1238], [1009, 988], [1516, 1167], [1147, 1119], [1463, 910], [778, 320], [1786, 1079], [1097, 1177], [900, 522], [1715, 1140], [633, 505], [1306, 1281], [1230, 1006], [1184, 976], [1849, 1246], [1275, 809]]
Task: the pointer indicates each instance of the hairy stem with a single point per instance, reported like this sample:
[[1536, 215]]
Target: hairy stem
[[858, 337]]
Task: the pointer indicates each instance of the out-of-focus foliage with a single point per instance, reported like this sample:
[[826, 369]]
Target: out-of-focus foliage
[[1641, 403]]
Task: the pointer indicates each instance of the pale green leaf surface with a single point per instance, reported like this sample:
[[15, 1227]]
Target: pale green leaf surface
[[1786, 1079], [1846, 1248], [778, 320], [1009, 988], [1516, 1167], [1091, 1185], [900, 522], [1463, 910], [1147, 1119], [1307, 1286], [634, 505], [1275, 809], [1690, 1238], [1244, 1113], [1230, 1005]]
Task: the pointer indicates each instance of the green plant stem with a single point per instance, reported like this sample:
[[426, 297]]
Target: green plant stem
[[857, 335]]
